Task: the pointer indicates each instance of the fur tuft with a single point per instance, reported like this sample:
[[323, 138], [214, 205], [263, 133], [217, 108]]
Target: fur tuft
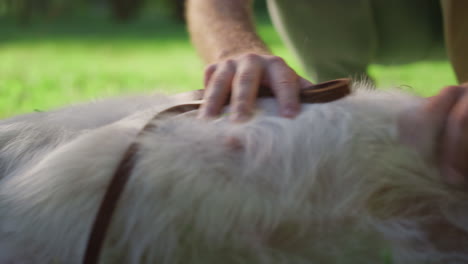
[[334, 185]]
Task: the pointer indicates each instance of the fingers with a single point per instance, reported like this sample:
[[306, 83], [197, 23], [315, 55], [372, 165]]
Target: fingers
[[241, 77], [246, 85], [218, 79], [208, 73], [285, 84], [303, 83]]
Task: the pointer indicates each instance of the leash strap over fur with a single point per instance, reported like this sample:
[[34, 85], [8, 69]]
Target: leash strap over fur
[[320, 93]]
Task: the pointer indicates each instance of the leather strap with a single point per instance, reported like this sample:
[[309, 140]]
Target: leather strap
[[320, 93]]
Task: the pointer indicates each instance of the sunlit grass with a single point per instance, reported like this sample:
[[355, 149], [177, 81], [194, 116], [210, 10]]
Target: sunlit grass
[[49, 65], [48, 75], [43, 67]]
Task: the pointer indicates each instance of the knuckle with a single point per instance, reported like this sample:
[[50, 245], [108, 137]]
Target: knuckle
[[276, 60], [211, 67], [229, 63], [287, 84], [224, 73], [251, 57], [245, 78]]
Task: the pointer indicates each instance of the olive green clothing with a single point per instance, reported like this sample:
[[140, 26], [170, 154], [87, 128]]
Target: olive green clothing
[[340, 38]]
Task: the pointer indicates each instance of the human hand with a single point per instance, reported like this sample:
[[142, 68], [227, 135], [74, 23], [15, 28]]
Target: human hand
[[450, 107], [241, 77]]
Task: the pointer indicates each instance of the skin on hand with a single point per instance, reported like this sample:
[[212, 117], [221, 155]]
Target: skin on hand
[[223, 31], [241, 77], [450, 107]]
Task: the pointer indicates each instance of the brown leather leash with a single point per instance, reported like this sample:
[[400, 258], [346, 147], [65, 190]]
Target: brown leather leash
[[319, 93]]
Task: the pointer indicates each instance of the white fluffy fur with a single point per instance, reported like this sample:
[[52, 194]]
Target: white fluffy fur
[[334, 185]]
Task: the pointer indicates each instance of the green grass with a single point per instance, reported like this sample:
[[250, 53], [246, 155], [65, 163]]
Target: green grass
[[52, 64]]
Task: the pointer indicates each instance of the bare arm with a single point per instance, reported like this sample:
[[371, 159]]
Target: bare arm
[[456, 36], [223, 28]]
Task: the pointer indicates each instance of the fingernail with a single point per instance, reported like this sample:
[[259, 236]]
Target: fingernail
[[239, 117], [289, 112], [204, 116]]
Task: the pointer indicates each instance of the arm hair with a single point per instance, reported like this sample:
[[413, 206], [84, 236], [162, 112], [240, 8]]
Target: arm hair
[[220, 29]]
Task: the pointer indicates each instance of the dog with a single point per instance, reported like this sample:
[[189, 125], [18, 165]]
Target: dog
[[339, 183]]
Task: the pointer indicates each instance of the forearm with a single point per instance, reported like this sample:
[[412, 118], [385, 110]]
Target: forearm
[[456, 35], [223, 28]]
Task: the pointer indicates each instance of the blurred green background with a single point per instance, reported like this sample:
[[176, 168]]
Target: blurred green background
[[57, 52]]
